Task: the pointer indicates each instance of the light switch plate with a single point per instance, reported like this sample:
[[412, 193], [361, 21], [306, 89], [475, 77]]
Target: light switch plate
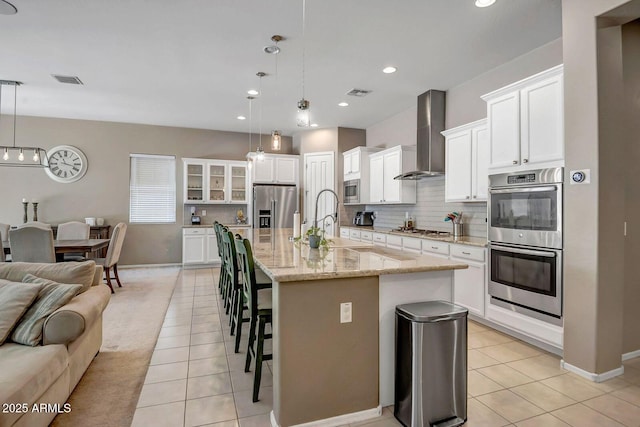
[[345, 312], [204, 212]]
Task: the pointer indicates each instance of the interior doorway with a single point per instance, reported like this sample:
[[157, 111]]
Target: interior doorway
[[319, 174]]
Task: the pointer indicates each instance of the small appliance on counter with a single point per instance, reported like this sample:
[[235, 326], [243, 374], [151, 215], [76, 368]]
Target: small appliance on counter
[[364, 218], [195, 219]]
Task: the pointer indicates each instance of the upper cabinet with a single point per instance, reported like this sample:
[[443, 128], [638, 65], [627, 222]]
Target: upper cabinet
[[526, 123], [356, 166], [467, 161], [215, 181], [352, 163], [275, 169], [383, 167]]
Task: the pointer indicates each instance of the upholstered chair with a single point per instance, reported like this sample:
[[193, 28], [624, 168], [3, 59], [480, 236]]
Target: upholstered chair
[[4, 237], [32, 244], [113, 254], [36, 224], [73, 230]]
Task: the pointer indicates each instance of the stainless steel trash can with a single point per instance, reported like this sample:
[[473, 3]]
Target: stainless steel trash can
[[431, 364]]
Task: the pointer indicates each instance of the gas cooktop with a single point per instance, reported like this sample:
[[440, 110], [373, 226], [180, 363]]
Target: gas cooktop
[[420, 232]]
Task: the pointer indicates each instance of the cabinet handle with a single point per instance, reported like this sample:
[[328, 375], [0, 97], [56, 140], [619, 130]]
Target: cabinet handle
[[525, 160], [434, 247], [515, 162], [466, 253], [475, 197], [466, 197]]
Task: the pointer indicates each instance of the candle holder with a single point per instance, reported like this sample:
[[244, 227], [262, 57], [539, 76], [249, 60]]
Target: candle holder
[[35, 211], [25, 218]]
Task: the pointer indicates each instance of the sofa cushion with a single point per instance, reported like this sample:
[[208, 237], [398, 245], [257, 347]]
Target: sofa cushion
[[27, 372], [15, 299], [80, 273], [52, 296]]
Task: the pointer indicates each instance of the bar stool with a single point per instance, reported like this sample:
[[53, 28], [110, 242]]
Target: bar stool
[[217, 229], [260, 307]]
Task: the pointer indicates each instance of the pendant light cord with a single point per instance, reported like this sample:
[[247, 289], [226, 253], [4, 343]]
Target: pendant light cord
[[15, 113], [250, 122], [304, 7], [260, 117]]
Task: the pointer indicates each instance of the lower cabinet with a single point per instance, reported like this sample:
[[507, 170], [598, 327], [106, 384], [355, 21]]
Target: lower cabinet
[[199, 246]]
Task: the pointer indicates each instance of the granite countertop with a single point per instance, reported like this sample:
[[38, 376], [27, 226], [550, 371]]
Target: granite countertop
[[284, 260], [211, 225], [463, 240]]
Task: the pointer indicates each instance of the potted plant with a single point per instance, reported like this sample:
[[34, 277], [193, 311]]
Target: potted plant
[[316, 238]]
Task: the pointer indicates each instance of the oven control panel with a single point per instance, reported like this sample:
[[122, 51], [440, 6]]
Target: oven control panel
[[521, 179]]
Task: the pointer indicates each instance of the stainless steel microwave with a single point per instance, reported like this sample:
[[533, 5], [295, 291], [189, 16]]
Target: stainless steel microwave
[[352, 192]]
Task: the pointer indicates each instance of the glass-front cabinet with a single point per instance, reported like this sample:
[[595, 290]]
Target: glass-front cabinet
[[194, 182], [215, 181]]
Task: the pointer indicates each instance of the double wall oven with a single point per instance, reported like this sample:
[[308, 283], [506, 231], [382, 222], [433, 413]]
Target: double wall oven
[[525, 242]]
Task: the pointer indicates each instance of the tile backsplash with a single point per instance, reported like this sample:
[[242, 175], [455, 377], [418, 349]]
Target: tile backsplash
[[430, 210]]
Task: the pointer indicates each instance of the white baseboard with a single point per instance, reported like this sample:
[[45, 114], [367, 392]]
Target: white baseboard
[[631, 355], [124, 267], [598, 378], [336, 421]]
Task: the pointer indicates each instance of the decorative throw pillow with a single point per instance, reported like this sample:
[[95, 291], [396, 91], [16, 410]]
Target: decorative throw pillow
[[75, 273], [52, 296], [15, 299]]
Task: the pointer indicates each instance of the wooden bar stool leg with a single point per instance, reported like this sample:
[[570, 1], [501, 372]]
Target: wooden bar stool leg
[[252, 339], [257, 376]]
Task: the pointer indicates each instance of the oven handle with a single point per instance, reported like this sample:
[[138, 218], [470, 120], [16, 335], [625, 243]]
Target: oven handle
[[524, 251], [524, 190]]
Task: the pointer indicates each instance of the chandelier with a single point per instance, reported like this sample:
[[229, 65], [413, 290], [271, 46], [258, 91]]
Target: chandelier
[[14, 155]]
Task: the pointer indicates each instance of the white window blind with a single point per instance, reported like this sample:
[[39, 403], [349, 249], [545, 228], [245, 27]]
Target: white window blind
[[152, 189]]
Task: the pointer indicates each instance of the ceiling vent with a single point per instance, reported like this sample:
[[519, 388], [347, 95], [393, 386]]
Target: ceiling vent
[[358, 92], [73, 80]]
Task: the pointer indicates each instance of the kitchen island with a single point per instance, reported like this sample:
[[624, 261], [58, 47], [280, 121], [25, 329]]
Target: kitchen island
[[325, 371]]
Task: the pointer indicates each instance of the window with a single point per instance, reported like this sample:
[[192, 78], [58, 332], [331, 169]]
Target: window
[[152, 189]]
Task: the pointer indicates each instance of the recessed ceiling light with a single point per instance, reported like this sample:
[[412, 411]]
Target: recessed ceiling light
[[389, 70], [314, 125], [484, 3], [241, 118], [343, 104], [252, 92]]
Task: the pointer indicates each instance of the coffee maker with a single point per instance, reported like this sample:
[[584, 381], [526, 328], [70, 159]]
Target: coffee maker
[[195, 219], [364, 218]]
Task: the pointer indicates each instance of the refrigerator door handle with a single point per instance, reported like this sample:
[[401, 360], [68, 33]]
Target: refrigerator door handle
[[273, 214]]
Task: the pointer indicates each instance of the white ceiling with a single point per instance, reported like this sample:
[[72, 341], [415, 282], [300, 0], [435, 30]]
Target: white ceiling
[[189, 63]]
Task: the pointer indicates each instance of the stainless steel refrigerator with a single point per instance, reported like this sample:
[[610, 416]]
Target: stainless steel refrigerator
[[274, 205]]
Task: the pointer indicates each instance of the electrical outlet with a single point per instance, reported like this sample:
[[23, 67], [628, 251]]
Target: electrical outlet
[[204, 212], [345, 312]]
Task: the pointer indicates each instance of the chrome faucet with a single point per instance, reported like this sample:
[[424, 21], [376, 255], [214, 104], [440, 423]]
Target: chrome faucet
[[334, 216]]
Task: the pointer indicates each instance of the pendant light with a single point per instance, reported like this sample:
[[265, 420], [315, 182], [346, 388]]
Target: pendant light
[[260, 150], [13, 155], [276, 139], [302, 118], [249, 157]]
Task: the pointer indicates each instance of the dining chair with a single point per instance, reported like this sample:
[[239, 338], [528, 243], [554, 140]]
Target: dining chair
[[32, 244], [260, 310], [36, 224], [113, 254], [217, 228], [73, 230]]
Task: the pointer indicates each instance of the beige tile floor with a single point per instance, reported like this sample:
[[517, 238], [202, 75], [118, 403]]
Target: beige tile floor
[[195, 379]]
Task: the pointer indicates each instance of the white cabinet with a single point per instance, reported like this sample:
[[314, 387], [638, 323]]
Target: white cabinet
[[526, 123], [275, 169], [194, 245], [469, 284], [212, 248], [354, 234], [411, 244], [366, 236], [383, 167], [467, 160], [215, 181], [379, 239], [352, 160], [435, 248], [394, 241], [344, 232]]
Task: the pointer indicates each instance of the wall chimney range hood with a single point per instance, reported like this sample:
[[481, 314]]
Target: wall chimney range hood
[[431, 154]]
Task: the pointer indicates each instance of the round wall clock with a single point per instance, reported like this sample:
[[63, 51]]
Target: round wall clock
[[66, 164]]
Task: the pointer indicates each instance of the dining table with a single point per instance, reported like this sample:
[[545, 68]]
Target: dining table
[[70, 246]]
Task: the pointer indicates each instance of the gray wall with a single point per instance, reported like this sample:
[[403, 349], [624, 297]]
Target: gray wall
[[593, 287], [104, 190], [631, 73], [463, 105]]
